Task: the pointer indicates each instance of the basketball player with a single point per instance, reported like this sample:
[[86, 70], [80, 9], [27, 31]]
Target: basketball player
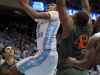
[[8, 54], [76, 31], [45, 61], [93, 50]]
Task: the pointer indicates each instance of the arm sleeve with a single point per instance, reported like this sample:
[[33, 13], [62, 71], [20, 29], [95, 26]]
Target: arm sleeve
[[54, 15]]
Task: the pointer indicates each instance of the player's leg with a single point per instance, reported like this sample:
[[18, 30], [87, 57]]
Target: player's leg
[[26, 64]]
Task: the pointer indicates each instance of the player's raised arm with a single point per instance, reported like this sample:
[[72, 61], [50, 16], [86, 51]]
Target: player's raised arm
[[65, 19], [30, 11], [86, 8]]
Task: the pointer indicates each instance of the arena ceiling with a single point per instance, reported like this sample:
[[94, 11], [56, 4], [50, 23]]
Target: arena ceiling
[[9, 7]]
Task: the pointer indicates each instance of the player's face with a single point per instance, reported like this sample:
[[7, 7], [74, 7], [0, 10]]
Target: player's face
[[9, 51], [51, 7]]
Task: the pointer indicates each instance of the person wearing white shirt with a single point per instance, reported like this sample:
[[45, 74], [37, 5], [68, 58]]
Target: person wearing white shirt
[[45, 60]]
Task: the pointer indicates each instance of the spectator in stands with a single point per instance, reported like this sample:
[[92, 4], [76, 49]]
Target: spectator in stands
[[1, 60], [8, 53]]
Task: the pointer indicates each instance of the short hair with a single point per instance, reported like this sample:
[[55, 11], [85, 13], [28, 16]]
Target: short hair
[[82, 18], [3, 51]]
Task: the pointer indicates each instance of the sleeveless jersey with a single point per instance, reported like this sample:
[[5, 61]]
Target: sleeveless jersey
[[45, 60], [47, 30], [73, 45], [5, 68]]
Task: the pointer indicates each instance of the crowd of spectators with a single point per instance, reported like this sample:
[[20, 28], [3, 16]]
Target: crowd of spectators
[[21, 33], [94, 4], [22, 36]]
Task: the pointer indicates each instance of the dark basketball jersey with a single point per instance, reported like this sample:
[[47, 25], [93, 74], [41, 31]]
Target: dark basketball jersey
[[5, 68], [73, 45]]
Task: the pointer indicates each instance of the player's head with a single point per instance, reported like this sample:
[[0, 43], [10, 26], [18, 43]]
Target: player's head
[[7, 51], [97, 24], [51, 7], [80, 18]]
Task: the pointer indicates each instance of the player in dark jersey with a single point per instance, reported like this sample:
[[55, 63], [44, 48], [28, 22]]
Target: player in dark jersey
[[47, 26], [93, 50], [8, 53], [76, 32]]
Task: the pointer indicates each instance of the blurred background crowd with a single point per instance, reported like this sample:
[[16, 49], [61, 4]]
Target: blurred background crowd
[[18, 29]]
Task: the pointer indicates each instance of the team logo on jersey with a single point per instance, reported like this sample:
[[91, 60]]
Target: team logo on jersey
[[4, 71]]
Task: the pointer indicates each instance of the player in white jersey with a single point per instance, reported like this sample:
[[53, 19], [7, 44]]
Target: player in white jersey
[[45, 61], [93, 50]]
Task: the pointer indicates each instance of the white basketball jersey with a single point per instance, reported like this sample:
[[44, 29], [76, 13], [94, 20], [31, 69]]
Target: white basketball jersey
[[47, 30]]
